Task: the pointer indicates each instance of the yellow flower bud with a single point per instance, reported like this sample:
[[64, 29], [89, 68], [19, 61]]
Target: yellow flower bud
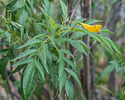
[[94, 28]]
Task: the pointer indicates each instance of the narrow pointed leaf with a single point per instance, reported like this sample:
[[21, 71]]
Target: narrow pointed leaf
[[77, 45], [70, 63], [40, 68], [42, 60], [67, 52], [30, 42], [105, 72], [73, 75], [25, 53], [24, 61], [29, 80], [61, 67], [93, 21], [62, 81]]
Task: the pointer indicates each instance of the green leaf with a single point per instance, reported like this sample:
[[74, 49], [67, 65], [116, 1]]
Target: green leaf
[[73, 75], [43, 24], [30, 42], [70, 63], [83, 97], [45, 48], [102, 38], [25, 53], [1, 30], [46, 2], [106, 71], [62, 81], [67, 52], [39, 36], [67, 85], [52, 21], [86, 47], [81, 20], [3, 64], [8, 36], [16, 25], [23, 16], [43, 61], [105, 31], [64, 9], [24, 61], [93, 21], [4, 51], [16, 70], [61, 67], [77, 35], [22, 19], [69, 89], [17, 5], [50, 9], [76, 44], [40, 68], [29, 80], [113, 45], [53, 42]]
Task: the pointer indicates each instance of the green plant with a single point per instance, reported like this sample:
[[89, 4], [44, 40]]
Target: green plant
[[37, 44]]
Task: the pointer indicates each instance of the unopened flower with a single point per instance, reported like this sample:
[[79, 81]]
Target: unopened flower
[[92, 28]]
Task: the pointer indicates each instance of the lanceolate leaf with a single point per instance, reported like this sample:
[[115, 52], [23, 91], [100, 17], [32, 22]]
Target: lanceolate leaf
[[106, 31], [8, 36], [62, 81], [17, 5], [86, 47], [104, 41], [16, 70], [73, 75], [77, 45], [113, 45], [69, 89], [64, 9], [81, 20], [43, 61], [53, 42], [40, 68], [61, 67], [39, 36], [4, 51], [3, 64], [70, 63], [24, 61], [30, 77], [25, 53], [45, 49], [106, 71], [67, 52], [92, 21], [30, 42], [77, 35]]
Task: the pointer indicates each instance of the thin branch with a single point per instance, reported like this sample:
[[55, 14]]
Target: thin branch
[[30, 27], [79, 60], [93, 44], [74, 11], [119, 28]]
